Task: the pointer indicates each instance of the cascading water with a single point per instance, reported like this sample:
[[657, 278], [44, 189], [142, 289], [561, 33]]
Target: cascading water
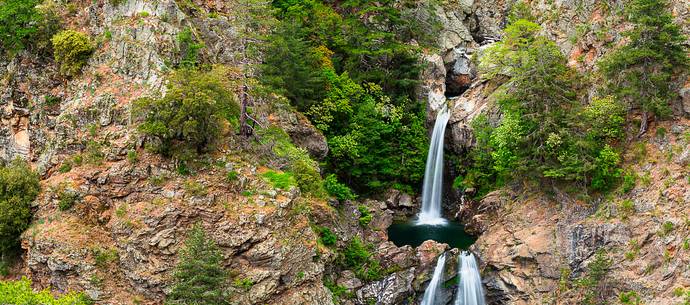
[[433, 175], [432, 291], [470, 291]]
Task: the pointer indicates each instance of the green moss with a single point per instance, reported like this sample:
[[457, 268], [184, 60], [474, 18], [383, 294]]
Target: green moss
[[280, 180]]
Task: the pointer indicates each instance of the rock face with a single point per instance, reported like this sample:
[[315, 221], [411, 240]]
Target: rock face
[[534, 247]]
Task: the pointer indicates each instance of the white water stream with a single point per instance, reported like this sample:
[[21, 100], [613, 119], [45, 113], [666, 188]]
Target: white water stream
[[432, 291], [470, 291], [433, 174]]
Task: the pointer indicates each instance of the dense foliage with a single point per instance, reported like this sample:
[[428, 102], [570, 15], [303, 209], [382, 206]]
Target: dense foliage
[[71, 49], [199, 277], [350, 67], [543, 131], [24, 25], [641, 72], [298, 163], [19, 186], [20, 292], [189, 118]]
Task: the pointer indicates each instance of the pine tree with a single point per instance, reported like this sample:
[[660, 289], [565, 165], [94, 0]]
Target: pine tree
[[254, 25], [199, 277], [641, 72]]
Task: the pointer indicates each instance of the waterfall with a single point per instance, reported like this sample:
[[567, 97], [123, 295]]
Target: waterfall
[[433, 175], [470, 291], [431, 292]]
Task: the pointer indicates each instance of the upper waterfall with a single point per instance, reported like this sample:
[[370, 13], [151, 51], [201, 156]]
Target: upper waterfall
[[433, 174]]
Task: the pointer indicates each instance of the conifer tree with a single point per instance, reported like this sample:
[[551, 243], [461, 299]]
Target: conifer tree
[[199, 277], [641, 72]]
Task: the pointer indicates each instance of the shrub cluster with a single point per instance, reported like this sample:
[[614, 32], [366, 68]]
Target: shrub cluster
[[357, 256], [19, 186], [71, 50]]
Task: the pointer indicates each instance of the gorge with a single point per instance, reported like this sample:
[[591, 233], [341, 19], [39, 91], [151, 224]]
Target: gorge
[[389, 152]]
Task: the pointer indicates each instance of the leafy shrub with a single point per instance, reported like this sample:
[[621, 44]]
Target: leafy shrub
[[627, 208], [104, 257], [326, 236], [20, 292], [280, 180], [606, 170], [71, 49], [189, 117], [337, 189], [629, 298], [195, 188], [132, 156], [189, 48], [605, 118], [629, 181], [666, 228], [357, 256], [199, 276], [19, 186], [365, 215], [65, 167], [67, 199], [594, 282], [232, 176], [303, 168]]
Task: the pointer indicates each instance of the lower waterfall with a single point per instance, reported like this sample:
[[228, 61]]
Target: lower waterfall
[[470, 291], [432, 291]]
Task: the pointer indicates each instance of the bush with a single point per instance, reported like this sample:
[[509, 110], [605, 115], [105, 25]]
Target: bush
[[67, 199], [337, 189], [594, 282], [71, 49], [20, 292], [357, 256], [326, 236], [629, 181], [189, 48], [19, 186], [189, 117], [303, 168], [365, 215], [606, 170], [605, 119], [199, 276]]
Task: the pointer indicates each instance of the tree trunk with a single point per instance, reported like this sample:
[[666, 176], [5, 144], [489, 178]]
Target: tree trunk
[[643, 124]]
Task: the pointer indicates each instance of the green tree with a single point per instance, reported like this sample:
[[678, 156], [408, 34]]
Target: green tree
[[199, 277], [189, 117], [19, 21], [641, 72], [291, 67], [374, 141], [19, 186]]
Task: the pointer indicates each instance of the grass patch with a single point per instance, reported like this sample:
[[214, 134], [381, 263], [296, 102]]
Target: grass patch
[[278, 180]]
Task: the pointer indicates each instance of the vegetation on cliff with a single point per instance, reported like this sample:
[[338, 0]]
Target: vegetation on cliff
[[20, 292], [19, 186], [641, 73]]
